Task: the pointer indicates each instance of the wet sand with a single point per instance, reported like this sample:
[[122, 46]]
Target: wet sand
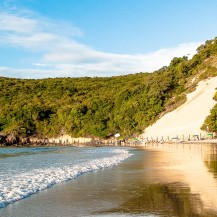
[[163, 180]]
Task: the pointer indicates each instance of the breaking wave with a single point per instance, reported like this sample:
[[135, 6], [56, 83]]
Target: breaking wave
[[24, 184]]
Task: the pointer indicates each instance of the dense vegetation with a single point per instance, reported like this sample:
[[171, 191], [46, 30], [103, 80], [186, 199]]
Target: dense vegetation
[[210, 123], [100, 107]]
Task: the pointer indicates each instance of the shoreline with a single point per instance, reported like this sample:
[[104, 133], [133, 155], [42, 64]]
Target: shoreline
[[117, 144]]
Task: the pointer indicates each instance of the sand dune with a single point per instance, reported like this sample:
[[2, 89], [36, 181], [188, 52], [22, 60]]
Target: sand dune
[[187, 119]]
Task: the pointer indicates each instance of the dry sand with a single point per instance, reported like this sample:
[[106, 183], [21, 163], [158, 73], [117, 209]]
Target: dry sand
[[187, 119]]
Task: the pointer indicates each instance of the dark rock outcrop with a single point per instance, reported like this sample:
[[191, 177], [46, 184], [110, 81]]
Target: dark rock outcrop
[[2, 140]]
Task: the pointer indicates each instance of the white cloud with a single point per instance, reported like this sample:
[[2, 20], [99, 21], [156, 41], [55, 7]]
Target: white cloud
[[10, 22], [62, 55]]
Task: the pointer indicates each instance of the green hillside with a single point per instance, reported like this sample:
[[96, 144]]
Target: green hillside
[[101, 107]]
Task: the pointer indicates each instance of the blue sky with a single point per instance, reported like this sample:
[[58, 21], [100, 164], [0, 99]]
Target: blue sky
[[74, 38]]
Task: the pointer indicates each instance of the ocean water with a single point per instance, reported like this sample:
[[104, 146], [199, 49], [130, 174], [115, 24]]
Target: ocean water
[[27, 171], [165, 180]]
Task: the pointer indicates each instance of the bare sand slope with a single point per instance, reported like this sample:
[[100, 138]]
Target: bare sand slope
[[188, 118]]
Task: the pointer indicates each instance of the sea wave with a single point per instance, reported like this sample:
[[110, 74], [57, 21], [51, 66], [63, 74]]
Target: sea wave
[[25, 184]]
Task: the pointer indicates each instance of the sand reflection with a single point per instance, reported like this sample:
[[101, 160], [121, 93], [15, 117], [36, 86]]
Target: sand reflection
[[197, 166], [178, 180]]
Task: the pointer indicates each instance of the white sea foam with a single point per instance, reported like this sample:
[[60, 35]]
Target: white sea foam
[[25, 184]]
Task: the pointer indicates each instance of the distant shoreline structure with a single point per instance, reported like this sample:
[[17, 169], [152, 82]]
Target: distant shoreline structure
[[89, 142]]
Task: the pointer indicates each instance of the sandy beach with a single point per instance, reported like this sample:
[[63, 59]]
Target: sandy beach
[[159, 180], [187, 119]]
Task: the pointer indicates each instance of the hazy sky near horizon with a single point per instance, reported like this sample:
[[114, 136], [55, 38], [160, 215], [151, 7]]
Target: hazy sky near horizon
[[74, 38]]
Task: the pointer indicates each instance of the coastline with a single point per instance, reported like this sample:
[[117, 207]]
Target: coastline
[[112, 143], [208, 141]]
